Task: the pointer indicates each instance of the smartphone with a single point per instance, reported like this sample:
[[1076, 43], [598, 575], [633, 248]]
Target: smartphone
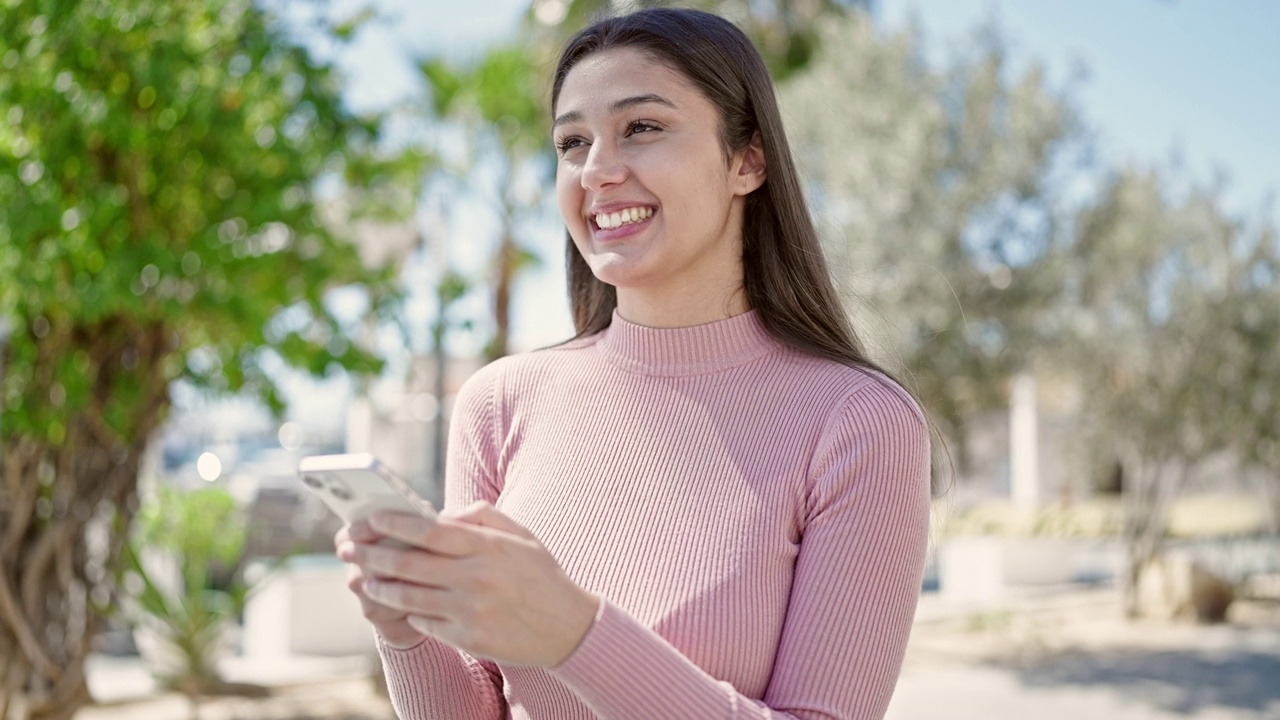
[[358, 485]]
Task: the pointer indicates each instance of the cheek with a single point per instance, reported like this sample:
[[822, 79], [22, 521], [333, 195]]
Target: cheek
[[698, 187], [571, 212], [569, 197]]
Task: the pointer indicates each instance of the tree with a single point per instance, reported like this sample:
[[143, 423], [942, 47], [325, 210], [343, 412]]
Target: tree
[[158, 163], [1245, 412], [1173, 339], [949, 218], [938, 194], [1252, 420], [497, 102]]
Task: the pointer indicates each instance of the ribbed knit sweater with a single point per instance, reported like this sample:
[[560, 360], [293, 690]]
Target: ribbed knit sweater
[[754, 520]]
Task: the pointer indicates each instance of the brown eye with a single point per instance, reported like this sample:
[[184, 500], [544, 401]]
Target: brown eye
[[566, 144], [639, 126]]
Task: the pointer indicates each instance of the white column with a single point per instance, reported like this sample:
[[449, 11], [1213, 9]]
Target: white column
[[1024, 476], [359, 423]]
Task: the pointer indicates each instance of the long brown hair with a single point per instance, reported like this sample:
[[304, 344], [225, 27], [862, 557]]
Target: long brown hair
[[785, 272]]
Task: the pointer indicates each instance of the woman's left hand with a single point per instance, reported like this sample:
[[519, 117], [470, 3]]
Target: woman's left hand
[[478, 581]]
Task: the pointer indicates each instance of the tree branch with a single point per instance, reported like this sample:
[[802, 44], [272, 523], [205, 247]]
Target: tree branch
[[21, 629]]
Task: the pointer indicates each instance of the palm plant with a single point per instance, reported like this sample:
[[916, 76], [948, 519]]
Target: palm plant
[[184, 561]]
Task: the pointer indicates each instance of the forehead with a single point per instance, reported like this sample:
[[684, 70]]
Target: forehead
[[602, 78]]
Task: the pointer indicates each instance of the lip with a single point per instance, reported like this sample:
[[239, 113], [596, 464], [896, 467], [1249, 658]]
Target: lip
[[622, 231], [616, 206]]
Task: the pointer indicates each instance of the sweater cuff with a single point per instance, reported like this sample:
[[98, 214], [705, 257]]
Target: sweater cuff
[[391, 653], [622, 666], [408, 666], [433, 676]]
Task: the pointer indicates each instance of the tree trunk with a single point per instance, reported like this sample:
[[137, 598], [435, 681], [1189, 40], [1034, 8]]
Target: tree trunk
[[1150, 486], [506, 270], [64, 513]]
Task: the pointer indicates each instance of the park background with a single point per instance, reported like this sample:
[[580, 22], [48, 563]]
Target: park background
[[236, 234]]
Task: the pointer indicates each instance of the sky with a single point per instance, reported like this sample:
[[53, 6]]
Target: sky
[[1197, 80], [1200, 78]]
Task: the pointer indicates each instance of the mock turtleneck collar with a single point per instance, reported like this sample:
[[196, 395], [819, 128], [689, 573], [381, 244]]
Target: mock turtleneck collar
[[696, 350]]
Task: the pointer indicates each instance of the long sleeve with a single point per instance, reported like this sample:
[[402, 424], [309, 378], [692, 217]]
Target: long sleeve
[[854, 591], [435, 681]]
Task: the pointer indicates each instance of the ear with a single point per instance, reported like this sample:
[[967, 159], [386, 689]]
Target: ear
[[750, 171]]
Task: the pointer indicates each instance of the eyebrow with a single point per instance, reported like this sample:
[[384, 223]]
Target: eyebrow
[[616, 107]]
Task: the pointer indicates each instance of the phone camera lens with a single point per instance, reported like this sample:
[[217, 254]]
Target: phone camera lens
[[340, 492], [312, 482]]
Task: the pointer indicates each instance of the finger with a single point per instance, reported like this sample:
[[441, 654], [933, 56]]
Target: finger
[[343, 545], [362, 531], [408, 529], [408, 598], [441, 536], [435, 627], [486, 515], [371, 609], [345, 539], [346, 551], [376, 612], [409, 564]]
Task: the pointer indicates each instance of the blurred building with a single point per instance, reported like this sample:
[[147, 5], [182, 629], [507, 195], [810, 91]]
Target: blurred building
[[405, 424]]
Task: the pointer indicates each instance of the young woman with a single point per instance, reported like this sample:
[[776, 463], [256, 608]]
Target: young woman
[[709, 504]]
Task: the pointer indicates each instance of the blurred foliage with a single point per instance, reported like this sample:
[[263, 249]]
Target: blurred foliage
[[1175, 321], [192, 535], [502, 91], [786, 31], [954, 213], [159, 164], [935, 191], [1177, 304], [202, 527], [172, 186], [497, 102]]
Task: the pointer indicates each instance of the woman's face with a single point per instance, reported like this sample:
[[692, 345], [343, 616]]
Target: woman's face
[[642, 180]]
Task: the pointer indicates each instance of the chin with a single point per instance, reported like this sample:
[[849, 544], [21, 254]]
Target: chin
[[618, 272]]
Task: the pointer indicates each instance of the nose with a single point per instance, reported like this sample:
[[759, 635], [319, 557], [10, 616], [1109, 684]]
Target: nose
[[604, 167]]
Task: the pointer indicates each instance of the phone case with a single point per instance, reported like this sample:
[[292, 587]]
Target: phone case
[[356, 486]]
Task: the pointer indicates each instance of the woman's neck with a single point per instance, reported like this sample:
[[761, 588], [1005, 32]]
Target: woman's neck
[[671, 309]]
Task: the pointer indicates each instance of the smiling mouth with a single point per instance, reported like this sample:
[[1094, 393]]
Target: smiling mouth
[[630, 216]]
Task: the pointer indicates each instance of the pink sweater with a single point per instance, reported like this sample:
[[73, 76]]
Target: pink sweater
[[754, 519]]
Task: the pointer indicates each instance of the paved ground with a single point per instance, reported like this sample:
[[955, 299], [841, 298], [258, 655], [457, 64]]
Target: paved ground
[[1074, 659], [342, 699], [1065, 656], [300, 688]]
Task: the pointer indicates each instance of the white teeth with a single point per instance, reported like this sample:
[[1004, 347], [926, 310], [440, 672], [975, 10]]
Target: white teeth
[[609, 221]]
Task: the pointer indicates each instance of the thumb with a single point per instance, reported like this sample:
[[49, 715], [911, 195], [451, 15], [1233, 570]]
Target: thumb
[[486, 515]]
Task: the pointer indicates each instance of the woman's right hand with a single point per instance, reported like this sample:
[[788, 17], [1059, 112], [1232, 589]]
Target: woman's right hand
[[390, 623]]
